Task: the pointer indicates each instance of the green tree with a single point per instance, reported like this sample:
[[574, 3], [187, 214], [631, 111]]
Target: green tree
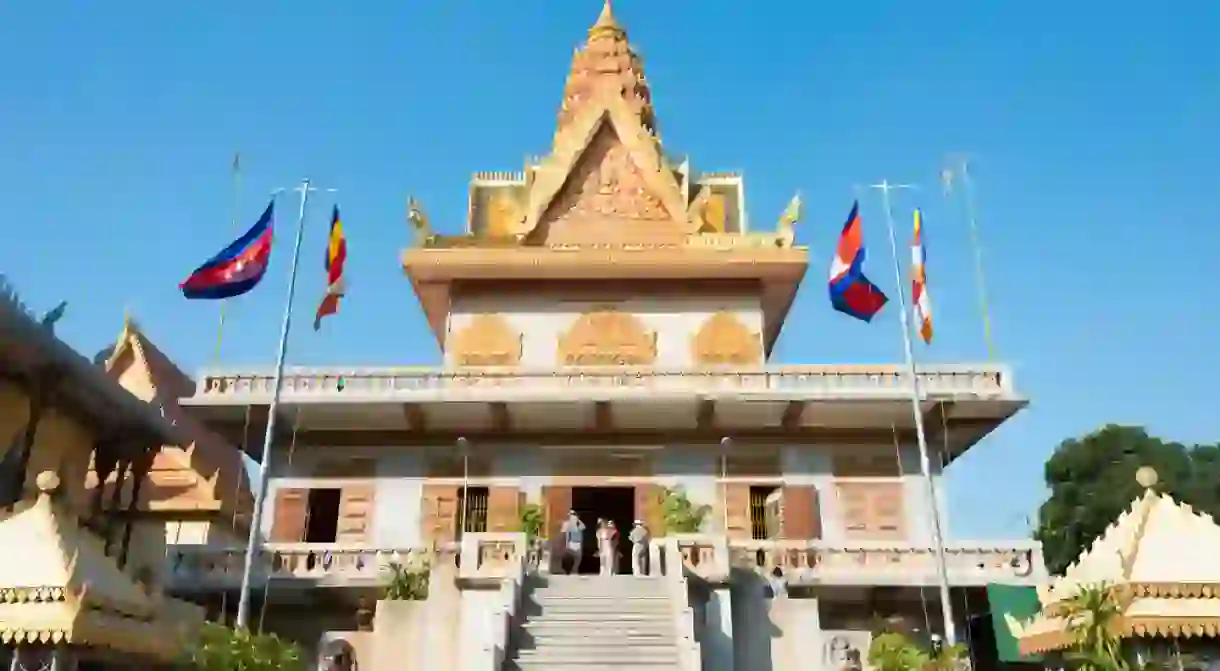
[[1092, 615], [1092, 481]]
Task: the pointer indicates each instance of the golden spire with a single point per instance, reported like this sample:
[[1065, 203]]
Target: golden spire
[[606, 23], [606, 63]]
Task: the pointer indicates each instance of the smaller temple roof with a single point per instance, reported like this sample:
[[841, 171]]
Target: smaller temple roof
[[61, 587], [206, 474], [1164, 589]]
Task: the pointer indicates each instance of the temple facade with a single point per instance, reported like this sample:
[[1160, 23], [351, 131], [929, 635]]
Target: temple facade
[[606, 321]]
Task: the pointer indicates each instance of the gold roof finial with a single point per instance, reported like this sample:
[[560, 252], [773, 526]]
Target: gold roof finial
[[606, 23]]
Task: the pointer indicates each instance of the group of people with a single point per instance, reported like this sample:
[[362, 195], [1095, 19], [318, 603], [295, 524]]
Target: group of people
[[573, 533]]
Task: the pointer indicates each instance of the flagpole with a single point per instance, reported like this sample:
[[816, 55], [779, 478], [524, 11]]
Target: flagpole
[[220, 328], [260, 494], [979, 279], [946, 604]]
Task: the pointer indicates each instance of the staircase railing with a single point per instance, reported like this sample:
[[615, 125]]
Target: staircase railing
[[672, 568], [500, 559]]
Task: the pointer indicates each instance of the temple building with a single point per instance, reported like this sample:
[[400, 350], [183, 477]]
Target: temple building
[[606, 322], [1158, 563], [201, 490], [81, 580]]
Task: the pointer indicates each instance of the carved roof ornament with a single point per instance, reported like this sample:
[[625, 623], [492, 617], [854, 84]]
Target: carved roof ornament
[[423, 233], [725, 340], [786, 228], [607, 338], [606, 62], [488, 340], [606, 146]]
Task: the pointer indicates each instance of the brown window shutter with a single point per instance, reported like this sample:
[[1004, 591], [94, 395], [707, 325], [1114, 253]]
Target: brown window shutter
[[502, 512], [888, 511], [650, 508], [736, 497], [290, 514], [557, 502], [800, 518], [438, 512], [355, 513]]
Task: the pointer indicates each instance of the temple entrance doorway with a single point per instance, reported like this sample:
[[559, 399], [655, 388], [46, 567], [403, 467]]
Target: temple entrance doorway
[[610, 503]]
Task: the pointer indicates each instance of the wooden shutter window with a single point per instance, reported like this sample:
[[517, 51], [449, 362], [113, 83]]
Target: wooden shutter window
[[557, 501], [355, 513], [650, 508], [800, 518], [438, 513], [872, 510], [502, 509], [290, 515], [736, 496]]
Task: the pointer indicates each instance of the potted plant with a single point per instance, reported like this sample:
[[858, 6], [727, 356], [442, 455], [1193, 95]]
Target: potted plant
[[220, 648], [531, 522], [680, 514], [407, 583]]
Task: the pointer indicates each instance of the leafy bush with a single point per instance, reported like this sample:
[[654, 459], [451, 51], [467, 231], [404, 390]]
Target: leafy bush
[[407, 583], [220, 648], [531, 521], [895, 651], [680, 514]]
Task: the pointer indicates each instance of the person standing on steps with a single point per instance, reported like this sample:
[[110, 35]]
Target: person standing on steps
[[603, 547], [639, 548], [613, 547], [573, 531]]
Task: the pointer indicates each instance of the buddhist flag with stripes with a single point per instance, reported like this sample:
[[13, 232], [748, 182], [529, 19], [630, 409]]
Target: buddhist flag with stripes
[[922, 302], [336, 257]]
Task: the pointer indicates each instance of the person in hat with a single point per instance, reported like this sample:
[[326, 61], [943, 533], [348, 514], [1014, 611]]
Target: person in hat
[[573, 532], [639, 548]]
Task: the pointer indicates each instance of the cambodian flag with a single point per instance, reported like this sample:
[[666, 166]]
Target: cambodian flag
[[238, 268], [850, 291]]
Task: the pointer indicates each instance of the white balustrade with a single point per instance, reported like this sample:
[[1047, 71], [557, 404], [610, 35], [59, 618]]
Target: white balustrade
[[422, 384]]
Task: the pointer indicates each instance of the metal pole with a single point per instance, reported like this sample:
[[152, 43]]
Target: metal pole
[[725, 443], [979, 278], [220, 328], [464, 446], [252, 543], [946, 605]]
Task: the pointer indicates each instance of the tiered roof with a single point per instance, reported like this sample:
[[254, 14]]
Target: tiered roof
[[207, 474], [1158, 557], [606, 203], [59, 586]]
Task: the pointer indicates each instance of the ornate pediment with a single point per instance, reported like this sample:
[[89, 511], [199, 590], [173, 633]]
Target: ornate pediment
[[606, 182], [724, 339], [607, 338], [488, 340]]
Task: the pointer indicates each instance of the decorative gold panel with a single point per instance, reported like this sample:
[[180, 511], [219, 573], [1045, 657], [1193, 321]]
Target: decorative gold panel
[[715, 213], [488, 340], [504, 215], [607, 338], [723, 340]]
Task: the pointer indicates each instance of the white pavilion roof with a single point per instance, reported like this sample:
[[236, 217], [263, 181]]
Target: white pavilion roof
[[1159, 557]]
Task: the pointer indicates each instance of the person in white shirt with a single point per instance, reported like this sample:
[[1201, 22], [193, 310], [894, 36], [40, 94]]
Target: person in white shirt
[[573, 531], [603, 547], [639, 548], [613, 533]]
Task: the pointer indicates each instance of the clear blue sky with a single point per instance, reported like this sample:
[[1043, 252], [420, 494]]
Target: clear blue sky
[[1096, 126]]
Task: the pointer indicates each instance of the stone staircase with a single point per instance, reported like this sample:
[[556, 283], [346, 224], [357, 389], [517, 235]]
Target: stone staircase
[[595, 623]]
